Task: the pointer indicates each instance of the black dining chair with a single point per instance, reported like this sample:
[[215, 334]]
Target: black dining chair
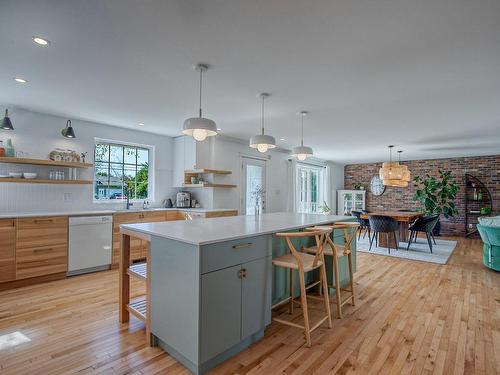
[[384, 224], [425, 225], [364, 224]]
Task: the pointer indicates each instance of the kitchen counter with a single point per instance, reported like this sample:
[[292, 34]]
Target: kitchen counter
[[207, 231], [104, 212], [211, 283]]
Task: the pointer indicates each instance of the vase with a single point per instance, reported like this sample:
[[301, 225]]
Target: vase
[[9, 149]]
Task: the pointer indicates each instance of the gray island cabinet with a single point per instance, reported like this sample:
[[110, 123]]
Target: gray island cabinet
[[211, 282]]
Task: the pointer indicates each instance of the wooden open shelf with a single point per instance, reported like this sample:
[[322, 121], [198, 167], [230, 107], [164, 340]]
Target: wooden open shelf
[[138, 270], [208, 185], [207, 171], [45, 181], [50, 163], [137, 307]]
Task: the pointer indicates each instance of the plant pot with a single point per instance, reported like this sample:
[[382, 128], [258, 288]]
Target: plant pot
[[437, 229]]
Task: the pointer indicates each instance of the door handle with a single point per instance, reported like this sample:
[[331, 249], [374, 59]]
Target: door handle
[[242, 245]]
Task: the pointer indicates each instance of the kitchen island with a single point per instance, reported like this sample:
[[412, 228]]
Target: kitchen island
[[211, 282]]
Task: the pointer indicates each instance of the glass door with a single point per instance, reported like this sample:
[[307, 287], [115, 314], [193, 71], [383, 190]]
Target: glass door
[[253, 185], [348, 202], [359, 201]]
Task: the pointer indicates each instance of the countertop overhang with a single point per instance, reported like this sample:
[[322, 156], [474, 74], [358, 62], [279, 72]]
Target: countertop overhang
[[213, 230]]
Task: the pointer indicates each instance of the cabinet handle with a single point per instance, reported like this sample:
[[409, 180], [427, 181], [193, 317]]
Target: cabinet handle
[[241, 246], [43, 250], [36, 221], [242, 273]]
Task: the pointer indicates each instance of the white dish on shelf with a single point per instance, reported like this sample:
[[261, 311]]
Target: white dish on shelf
[[16, 174], [4, 175], [29, 176]]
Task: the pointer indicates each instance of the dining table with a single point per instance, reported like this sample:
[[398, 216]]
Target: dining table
[[404, 218]]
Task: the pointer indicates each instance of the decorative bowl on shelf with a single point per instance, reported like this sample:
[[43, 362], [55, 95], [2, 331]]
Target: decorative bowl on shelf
[[29, 175], [15, 174]]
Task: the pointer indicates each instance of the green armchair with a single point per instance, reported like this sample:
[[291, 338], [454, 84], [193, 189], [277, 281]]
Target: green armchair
[[491, 250]]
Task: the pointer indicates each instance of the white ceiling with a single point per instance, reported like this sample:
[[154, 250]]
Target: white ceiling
[[421, 74]]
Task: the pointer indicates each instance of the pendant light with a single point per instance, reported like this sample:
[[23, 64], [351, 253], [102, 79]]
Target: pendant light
[[406, 172], [391, 172], [199, 127], [302, 152], [263, 142], [68, 131], [6, 123]]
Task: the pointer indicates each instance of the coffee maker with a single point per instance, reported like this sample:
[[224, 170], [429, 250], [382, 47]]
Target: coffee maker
[[183, 199]]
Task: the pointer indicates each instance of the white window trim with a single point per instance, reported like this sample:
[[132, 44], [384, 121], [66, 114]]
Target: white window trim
[[151, 169]]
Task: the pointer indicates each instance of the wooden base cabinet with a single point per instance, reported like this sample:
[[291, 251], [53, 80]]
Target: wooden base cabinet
[[41, 246], [7, 250]]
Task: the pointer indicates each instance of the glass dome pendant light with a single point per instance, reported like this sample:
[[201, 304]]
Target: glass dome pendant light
[[263, 142], [199, 127], [302, 152]]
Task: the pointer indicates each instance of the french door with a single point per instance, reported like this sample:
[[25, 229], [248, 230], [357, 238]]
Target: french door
[[253, 181]]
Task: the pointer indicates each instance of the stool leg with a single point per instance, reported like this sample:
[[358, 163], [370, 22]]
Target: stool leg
[[337, 284], [324, 282], [303, 300], [292, 289], [351, 276]]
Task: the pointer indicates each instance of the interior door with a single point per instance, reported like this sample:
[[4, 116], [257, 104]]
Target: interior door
[[253, 179]]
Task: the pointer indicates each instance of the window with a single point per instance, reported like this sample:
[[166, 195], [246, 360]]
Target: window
[[310, 188], [121, 169]]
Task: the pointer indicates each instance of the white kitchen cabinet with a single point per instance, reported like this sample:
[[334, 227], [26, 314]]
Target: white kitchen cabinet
[[349, 200], [184, 158]]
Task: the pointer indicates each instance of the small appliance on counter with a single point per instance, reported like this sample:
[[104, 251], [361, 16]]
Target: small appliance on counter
[[183, 199], [167, 203]]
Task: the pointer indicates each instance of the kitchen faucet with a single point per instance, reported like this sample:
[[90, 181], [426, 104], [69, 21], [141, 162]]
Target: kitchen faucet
[[126, 191]]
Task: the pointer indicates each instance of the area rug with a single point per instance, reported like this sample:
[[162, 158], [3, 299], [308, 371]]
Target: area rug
[[441, 252]]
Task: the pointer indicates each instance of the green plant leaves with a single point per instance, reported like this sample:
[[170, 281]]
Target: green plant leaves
[[436, 195]]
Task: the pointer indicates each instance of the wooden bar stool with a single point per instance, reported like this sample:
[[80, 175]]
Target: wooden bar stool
[[303, 263], [336, 251]]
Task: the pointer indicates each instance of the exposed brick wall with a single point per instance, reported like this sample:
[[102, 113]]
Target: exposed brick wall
[[485, 168]]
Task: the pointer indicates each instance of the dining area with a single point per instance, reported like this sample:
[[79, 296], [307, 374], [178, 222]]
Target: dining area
[[402, 233]]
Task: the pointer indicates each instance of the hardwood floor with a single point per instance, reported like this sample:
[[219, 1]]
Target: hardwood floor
[[410, 318]]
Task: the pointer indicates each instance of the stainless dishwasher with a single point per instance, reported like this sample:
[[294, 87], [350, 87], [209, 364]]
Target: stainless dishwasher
[[90, 244]]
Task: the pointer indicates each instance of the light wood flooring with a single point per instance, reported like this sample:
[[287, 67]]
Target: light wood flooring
[[411, 318]]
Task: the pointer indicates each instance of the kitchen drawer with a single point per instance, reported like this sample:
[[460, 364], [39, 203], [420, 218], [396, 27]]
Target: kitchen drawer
[[222, 213], [7, 250], [125, 218], [154, 216], [40, 261], [42, 231], [229, 253], [175, 215]]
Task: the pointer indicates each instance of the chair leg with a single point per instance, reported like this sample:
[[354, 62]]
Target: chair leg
[[376, 239], [388, 243], [409, 240], [396, 240], [429, 240], [433, 239], [371, 241], [326, 300], [337, 285], [359, 233], [292, 289], [351, 277], [369, 232], [303, 300]]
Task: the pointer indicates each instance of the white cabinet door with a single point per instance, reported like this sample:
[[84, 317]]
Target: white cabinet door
[[189, 153]]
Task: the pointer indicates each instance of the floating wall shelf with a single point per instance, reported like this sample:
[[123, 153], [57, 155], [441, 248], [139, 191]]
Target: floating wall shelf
[[50, 163], [208, 185], [45, 181]]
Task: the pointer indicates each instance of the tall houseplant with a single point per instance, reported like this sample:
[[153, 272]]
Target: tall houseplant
[[437, 195]]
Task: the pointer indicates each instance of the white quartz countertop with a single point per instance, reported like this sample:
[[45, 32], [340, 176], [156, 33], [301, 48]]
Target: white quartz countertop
[[105, 212], [207, 231]]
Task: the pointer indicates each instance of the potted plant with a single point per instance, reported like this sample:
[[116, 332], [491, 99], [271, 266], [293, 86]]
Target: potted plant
[[437, 195]]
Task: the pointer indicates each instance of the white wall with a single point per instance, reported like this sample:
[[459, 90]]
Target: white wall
[[336, 183], [38, 134]]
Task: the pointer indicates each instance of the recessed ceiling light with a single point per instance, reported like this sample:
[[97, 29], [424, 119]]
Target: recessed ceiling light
[[219, 129], [20, 80], [141, 124], [40, 41], [282, 139]]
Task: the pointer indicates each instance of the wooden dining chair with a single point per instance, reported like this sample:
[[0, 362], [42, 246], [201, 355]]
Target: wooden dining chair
[[304, 263], [336, 251]]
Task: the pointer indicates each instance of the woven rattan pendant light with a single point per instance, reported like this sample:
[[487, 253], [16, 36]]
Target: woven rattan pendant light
[[391, 172]]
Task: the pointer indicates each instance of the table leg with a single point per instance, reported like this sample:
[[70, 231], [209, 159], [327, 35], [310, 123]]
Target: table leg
[[124, 296], [403, 231]]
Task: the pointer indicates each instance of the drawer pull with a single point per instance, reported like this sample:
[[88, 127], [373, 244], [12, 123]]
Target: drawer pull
[[37, 221], [243, 245], [43, 250]]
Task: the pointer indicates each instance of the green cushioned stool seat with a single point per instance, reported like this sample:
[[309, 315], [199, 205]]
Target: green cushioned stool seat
[[491, 249]]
